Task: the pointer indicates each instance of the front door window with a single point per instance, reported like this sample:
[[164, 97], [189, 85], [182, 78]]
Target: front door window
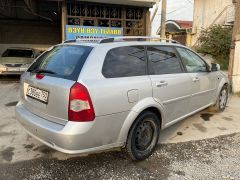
[[191, 61]]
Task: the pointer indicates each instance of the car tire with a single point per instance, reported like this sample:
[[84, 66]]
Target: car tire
[[143, 136], [222, 100]]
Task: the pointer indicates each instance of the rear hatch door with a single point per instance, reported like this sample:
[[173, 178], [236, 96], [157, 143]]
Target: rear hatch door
[[46, 85]]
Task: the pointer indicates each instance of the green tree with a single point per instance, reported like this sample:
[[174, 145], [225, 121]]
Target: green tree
[[216, 41]]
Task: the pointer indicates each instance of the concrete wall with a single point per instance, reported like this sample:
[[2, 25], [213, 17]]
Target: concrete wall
[[236, 68], [206, 12], [28, 34]]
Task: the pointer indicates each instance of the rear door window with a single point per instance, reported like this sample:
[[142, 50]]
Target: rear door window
[[18, 53], [125, 62], [163, 60], [65, 61]]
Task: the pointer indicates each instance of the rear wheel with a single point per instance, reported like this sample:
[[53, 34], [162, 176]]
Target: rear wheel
[[143, 136], [222, 100]]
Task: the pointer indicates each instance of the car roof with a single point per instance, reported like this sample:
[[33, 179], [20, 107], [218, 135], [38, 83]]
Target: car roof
[[125, 43], [122, 40]]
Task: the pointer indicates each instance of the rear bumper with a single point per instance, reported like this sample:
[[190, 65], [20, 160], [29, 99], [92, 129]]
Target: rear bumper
[[71, 138]]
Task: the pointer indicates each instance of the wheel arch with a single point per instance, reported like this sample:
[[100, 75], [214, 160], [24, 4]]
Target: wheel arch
[[156, 111], [148, 104], [222, 83]]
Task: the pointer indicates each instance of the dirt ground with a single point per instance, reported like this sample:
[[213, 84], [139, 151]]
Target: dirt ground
[[204, 146]]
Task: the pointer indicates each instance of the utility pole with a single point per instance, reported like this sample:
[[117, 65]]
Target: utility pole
[[234, 63], [163, 19], [64, 19]]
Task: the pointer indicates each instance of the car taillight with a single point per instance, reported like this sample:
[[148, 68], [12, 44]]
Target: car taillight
[[80, 105], [40, 76]]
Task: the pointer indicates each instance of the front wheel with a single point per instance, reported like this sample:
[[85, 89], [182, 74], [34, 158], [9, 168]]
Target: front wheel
[[143, 136], [222, 100]]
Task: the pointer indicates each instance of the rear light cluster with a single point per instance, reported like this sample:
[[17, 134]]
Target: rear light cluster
[[80, 105], [40, 76]]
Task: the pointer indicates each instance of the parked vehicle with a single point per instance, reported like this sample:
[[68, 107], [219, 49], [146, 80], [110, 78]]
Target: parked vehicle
[[16, 60], [84, 97]]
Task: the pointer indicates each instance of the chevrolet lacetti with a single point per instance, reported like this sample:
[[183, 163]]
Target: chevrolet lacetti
[[82, 97], [16, 60]]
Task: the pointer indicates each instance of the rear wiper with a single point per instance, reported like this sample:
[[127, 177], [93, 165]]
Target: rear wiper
[[43, 71]]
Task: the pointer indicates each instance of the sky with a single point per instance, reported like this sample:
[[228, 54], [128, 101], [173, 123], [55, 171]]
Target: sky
[[176, 10]]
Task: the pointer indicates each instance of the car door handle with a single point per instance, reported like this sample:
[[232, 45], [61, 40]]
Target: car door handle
[[195, 79], [161, 83]]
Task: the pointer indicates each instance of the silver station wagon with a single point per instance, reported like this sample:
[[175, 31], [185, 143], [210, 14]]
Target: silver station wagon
[[82, 97]]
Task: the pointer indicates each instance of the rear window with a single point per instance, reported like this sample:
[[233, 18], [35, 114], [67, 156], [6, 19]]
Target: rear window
[[125, 62], [163, 60], [65, 61], [18, 53]]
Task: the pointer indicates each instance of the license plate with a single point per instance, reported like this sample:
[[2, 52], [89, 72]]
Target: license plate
[[38, 94]]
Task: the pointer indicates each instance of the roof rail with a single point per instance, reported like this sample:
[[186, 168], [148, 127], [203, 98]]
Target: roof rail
[[136, 38], [85, 40], [121, 39]]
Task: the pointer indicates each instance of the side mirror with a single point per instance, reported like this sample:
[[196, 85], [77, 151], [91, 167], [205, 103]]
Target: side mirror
[[215, 67]]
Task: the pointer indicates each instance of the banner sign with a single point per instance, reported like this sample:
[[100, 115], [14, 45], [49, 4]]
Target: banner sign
[[84, 32]]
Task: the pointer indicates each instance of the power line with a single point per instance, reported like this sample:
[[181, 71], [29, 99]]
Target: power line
[[176, 10], [189, 1], [183, 7]]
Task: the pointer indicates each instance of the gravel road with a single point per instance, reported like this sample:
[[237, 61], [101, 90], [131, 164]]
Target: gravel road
[[216, 158]]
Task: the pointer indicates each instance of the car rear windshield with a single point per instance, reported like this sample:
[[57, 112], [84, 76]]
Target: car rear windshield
[[64, 61], [18, 53]]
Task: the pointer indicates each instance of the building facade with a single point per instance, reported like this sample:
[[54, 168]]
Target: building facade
[[225, 13], [133, 20], [40, 24], [211, 12]]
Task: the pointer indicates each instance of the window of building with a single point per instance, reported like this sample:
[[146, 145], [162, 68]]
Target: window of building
[[131, 19], [163, 60], [125, 62]]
